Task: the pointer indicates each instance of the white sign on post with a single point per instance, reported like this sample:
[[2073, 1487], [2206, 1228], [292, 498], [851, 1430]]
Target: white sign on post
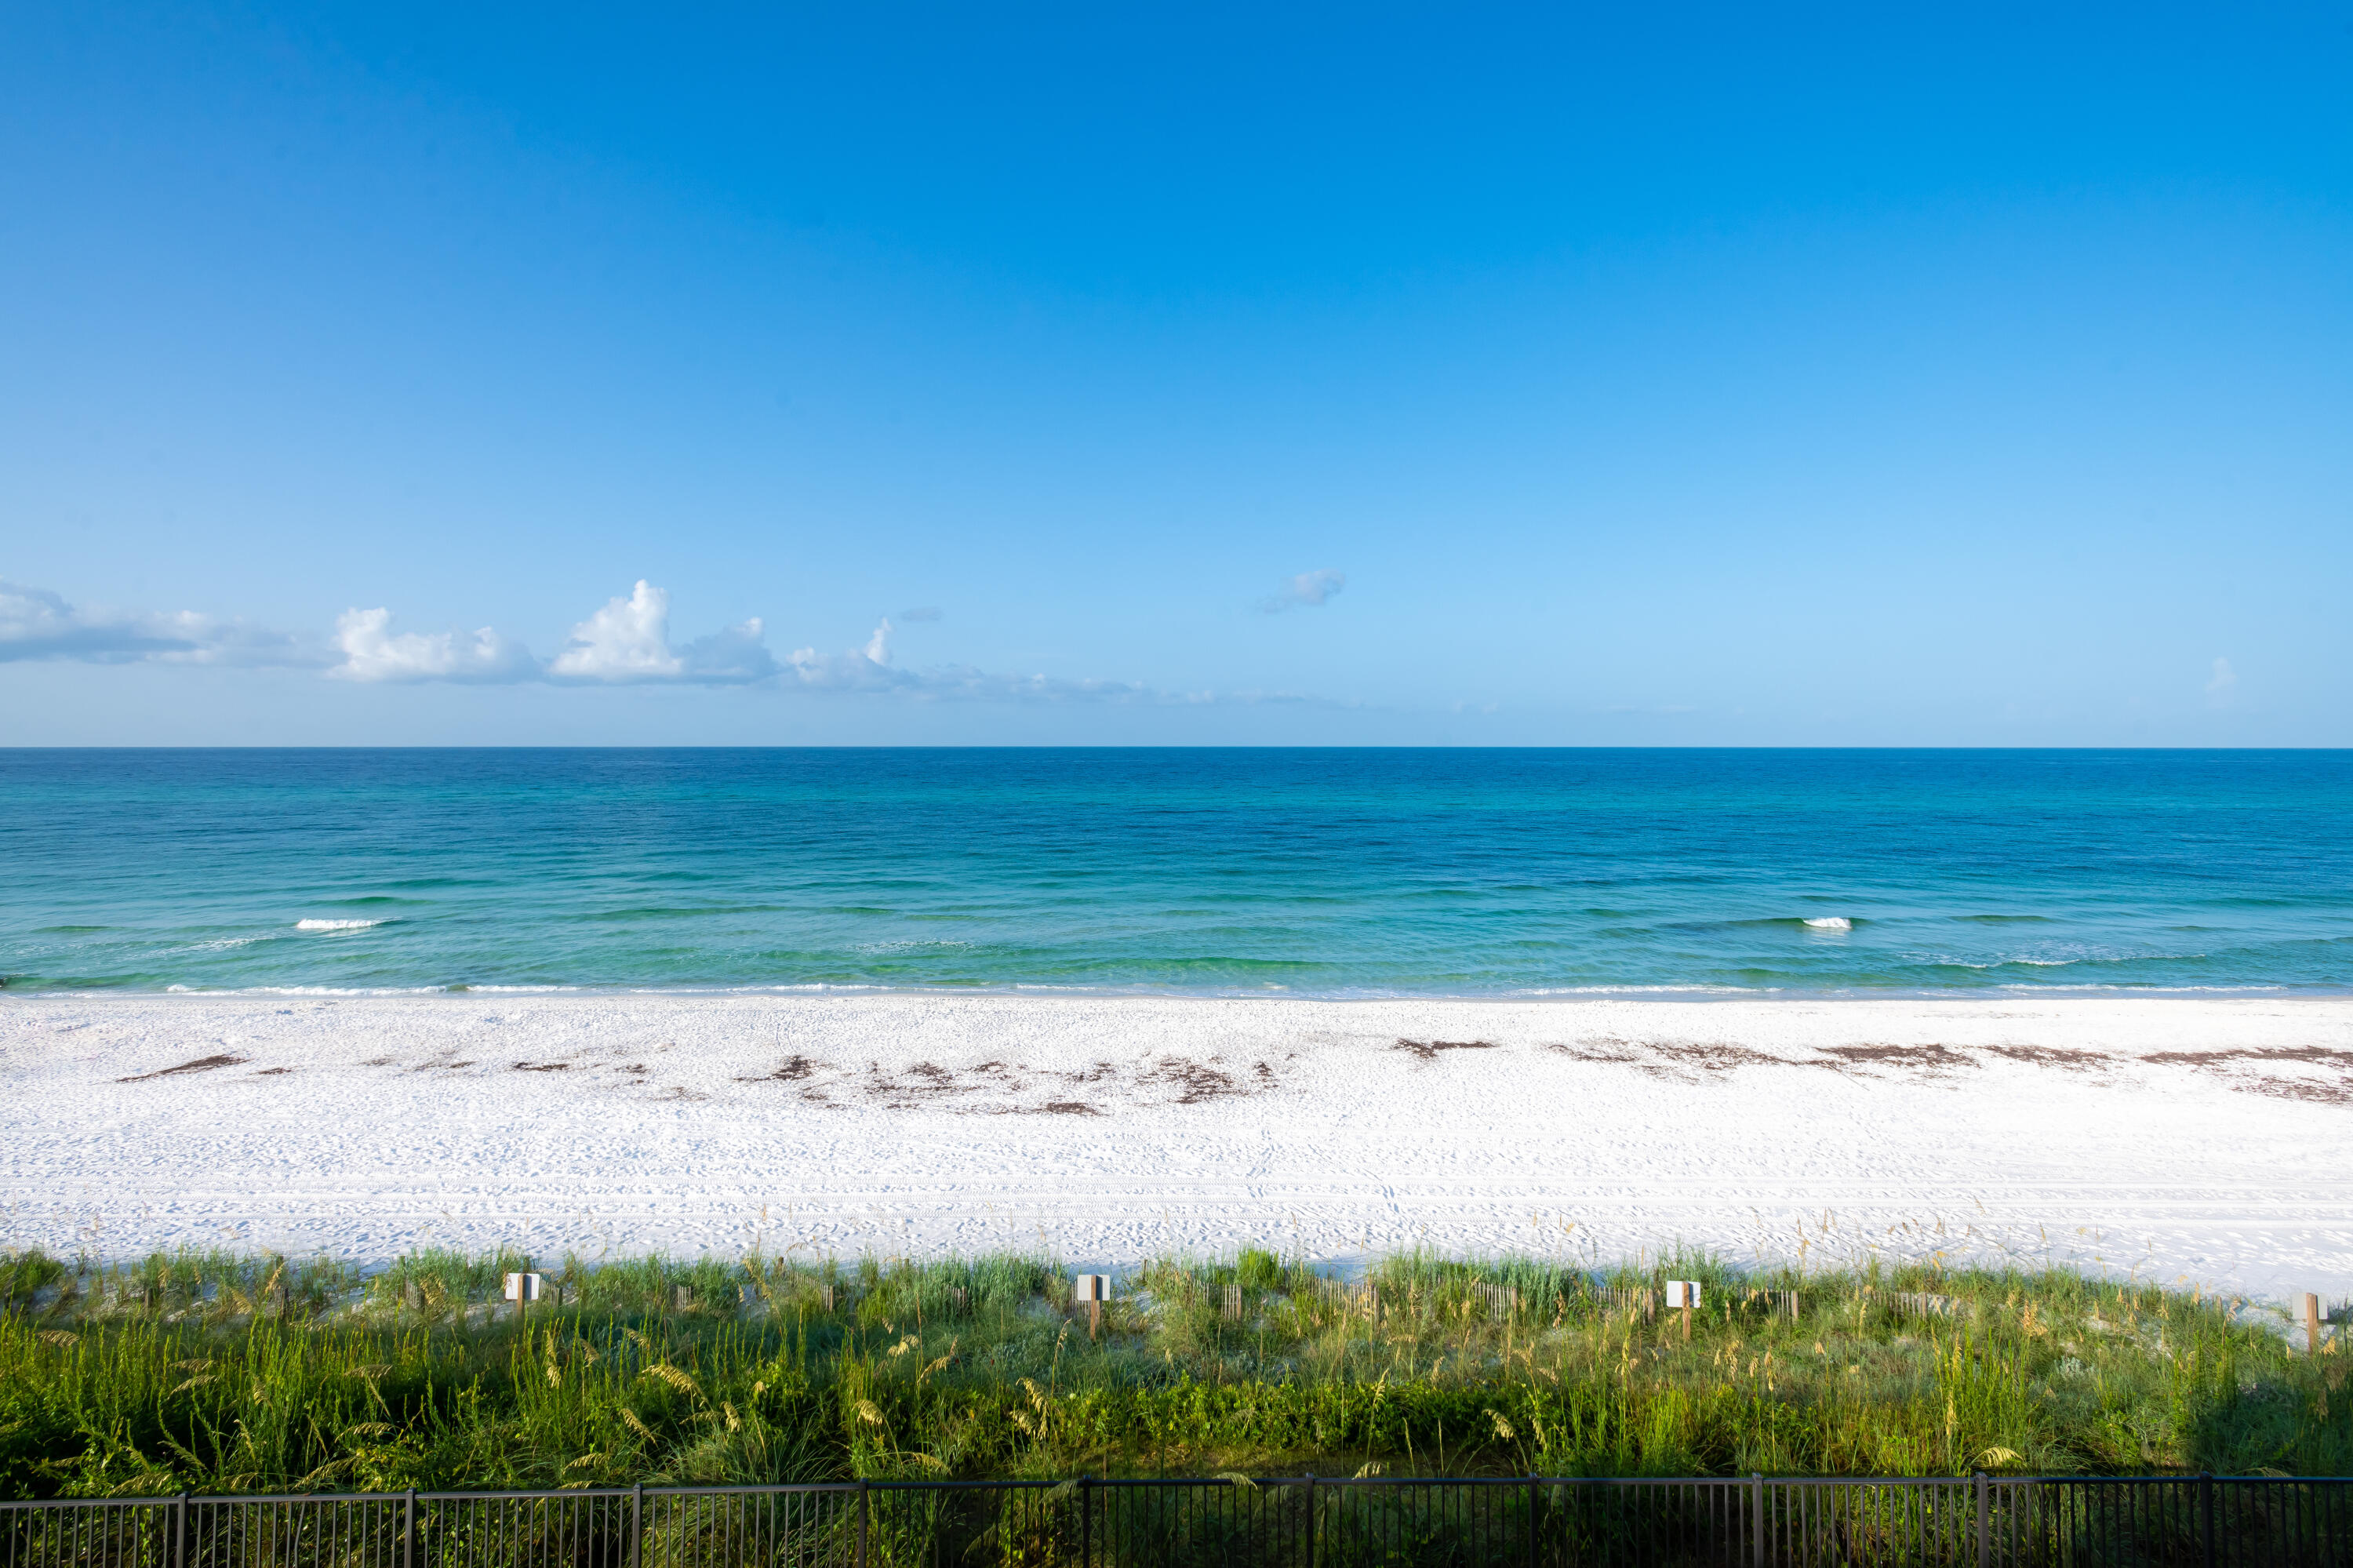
[[1090, 1291], [1682, 1292], [522, 1288]]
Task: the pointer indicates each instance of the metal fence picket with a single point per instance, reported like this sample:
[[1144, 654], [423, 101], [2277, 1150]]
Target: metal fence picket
[[1520, 1521]]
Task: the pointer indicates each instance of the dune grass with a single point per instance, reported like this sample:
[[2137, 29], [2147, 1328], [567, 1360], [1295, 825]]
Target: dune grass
[[227, 1373]]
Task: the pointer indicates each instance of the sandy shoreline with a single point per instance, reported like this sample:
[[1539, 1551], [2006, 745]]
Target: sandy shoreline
[[2182, 1138]]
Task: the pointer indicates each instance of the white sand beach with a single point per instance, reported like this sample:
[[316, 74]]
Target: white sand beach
[[2180, 1139]]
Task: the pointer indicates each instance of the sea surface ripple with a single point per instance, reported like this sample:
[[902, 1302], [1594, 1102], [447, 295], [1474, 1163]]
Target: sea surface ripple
[[1243, 872]]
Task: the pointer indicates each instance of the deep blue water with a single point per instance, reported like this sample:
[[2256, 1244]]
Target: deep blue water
[[1331, 872]]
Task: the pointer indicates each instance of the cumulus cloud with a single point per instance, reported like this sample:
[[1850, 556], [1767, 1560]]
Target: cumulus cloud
[[626, 642], [37, 624], [373, 652], [1305, 591], [866, 669], [629, 639], [735, 656]]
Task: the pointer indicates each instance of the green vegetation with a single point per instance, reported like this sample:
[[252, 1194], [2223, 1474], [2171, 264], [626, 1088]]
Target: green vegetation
[[222, 1373]]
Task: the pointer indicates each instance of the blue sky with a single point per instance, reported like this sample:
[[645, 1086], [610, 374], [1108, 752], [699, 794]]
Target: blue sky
[[1371, 374]]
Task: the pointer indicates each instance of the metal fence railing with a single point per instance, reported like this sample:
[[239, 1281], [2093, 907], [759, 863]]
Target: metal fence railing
[[1534, 1521]]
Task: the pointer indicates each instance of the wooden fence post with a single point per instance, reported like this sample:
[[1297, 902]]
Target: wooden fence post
[[2311, 1324]]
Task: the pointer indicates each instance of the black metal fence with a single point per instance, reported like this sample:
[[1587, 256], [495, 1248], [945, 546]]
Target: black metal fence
[[1536, 1521]]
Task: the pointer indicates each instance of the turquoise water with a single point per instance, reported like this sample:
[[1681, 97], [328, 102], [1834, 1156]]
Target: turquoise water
[[1228, 872]]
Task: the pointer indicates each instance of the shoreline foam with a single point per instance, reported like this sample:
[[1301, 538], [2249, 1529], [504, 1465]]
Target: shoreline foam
[[2181, 1139]]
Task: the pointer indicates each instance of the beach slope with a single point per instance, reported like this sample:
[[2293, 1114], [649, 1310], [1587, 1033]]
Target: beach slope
[[2181, 1140]]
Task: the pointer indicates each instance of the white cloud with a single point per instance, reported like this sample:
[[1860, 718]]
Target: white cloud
[[2222, 679], [859, 669], [626, 642], [1305, 591], [373, 652], [37, 624], [869, 669], [735, 656], [629, 639]]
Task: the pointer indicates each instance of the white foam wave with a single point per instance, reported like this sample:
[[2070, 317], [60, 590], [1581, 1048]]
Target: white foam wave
[[1831, 923], [297, 991], [2063, 963], [1695, 990], [2104, 988]]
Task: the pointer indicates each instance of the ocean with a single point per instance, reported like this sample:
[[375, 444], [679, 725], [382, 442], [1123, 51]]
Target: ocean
[[1209, 871]]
